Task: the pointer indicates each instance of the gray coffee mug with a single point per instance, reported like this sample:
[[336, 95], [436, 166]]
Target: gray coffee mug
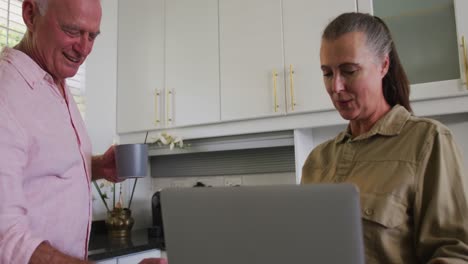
[[132, 160]]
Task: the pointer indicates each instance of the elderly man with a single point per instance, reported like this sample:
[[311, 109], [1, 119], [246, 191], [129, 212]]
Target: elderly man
[[46, 165]]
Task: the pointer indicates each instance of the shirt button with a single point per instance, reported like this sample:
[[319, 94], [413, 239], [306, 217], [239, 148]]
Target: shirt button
[[369, 211]]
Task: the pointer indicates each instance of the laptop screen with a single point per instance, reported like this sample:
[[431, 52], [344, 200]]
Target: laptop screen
[[263, 224]]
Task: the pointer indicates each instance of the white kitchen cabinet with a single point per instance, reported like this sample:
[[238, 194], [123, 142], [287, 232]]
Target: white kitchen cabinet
[[461, 19], [107, 261], [137, 257], [260, 38], [428, 36], [168, 64], [132, 258], [192, 62], [140, 65], [199, 64], [251, 59], [304, 22]]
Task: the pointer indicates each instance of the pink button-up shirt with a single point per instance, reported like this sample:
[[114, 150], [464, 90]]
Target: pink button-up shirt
[[45, 164]]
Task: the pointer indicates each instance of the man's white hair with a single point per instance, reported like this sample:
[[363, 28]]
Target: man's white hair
[[42, 5]]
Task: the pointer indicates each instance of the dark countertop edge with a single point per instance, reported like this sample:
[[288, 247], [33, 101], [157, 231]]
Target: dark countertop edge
[[102, 247]]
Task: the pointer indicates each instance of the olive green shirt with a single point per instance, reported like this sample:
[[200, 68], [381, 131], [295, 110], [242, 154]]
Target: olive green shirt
[[412, 184]]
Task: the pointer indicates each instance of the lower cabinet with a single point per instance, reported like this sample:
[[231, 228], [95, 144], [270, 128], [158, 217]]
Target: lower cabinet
[[132, 258], [107, 261]]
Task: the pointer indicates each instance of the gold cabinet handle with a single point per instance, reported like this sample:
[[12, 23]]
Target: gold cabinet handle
[[157, 94], [291, 86], [465, 58], [275, 92], [168, 106]]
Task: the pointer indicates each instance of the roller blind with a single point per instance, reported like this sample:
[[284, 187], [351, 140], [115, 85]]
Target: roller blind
[[219, 163], [12, 29]]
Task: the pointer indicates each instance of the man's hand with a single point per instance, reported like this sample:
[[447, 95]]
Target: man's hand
[[104, 166], [153, 261], [46, 254]]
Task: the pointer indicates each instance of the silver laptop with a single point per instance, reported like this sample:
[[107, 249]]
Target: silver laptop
[[263, 224]]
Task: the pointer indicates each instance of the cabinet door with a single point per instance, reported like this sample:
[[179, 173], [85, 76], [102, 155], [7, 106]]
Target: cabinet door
[[461, 6], [140, 65], [427, 35], [192, 62], [251, 51], [107, 261], [137, 257], [304, 22]]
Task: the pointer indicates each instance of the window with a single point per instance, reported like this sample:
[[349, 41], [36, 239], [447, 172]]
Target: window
[[12, 29]]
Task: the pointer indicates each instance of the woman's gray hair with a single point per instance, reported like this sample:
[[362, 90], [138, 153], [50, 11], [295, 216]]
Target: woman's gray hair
[[378, 38]]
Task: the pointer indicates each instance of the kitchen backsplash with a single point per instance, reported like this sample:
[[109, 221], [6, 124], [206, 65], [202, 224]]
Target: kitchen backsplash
[[146, 187]]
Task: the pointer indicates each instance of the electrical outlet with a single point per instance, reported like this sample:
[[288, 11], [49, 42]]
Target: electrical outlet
[[232, 181], [180, 183]]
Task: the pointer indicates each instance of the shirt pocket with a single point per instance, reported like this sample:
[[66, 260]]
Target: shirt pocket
[[318, 174], [383, 209]]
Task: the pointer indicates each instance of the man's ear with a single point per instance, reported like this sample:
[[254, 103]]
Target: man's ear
[[30, 14]]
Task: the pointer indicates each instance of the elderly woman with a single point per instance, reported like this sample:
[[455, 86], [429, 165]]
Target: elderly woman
[[408, 169]]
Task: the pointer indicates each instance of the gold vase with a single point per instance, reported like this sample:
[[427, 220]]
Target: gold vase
[[119, 222]]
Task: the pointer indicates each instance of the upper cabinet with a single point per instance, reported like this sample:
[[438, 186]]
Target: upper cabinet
[[269, 60], [462, 32], [303, 23], [168, 64], [197, 62], [251, 58], [429, 38], [140, 65], [192, 62]]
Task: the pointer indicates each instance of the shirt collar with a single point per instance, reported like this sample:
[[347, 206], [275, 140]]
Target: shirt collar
[[390, 124], [27, 67]]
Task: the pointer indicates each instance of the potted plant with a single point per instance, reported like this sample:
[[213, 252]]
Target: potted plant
[[119, 221]]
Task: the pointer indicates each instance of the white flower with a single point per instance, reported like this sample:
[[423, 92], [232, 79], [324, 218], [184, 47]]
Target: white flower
[[168, 140], [179, 142]]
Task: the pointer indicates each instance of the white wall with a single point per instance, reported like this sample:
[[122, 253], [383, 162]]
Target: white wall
[[101, 84], [101, 81]]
